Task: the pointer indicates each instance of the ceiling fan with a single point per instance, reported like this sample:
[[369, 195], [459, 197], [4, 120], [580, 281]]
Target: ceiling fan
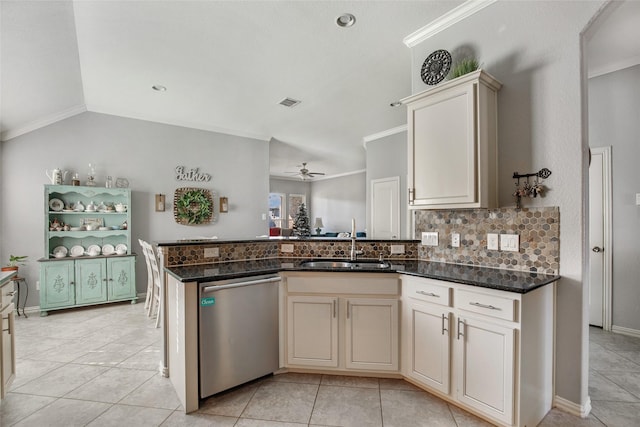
[[304, 173]]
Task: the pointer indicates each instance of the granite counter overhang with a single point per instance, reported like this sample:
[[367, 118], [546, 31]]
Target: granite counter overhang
[[500, 279]]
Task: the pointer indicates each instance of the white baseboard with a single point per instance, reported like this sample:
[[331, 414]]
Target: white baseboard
[[625, 331], [572, 408], [36, 308]]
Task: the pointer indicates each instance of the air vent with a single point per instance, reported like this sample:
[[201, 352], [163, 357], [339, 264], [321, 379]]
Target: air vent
[[289, 102]]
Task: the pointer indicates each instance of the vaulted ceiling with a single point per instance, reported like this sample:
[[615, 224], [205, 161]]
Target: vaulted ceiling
[[226, 65]]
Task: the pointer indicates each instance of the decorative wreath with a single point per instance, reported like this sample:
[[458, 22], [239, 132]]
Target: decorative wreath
[[192, 206]]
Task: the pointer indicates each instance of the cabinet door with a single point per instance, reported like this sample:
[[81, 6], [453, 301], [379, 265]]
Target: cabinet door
[[7, 349], [486, 367], [312, 331], [428, 345], [121, 278], [372, 334], [91, 281], [442, 148], [57, 287]]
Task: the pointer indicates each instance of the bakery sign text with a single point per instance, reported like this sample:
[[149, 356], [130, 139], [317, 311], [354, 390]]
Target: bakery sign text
[[184, 174]]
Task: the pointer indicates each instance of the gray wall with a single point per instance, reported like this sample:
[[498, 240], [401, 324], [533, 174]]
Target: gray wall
[[386, 158], [614, 120], [534, 49], [146, 154], [337, 200]]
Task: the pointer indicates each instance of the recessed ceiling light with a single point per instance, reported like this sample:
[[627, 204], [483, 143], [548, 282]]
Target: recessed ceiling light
[[346, 20], [159, 88]]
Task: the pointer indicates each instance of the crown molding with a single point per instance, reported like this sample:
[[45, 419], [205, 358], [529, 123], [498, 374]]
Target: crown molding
[[312, 180], [40, 123], [613, 67], [447, 20], [383, 134]]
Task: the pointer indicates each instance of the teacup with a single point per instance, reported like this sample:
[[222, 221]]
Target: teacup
[[120, 207]]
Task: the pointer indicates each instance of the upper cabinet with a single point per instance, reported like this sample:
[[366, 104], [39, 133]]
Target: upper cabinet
[[453, 147]]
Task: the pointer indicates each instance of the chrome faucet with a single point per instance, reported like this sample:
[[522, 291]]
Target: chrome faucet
[[354, 252]]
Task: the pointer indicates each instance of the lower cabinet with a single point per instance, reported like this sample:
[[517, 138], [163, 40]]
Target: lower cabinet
[[490, 352], [87, 281], [341, 330]]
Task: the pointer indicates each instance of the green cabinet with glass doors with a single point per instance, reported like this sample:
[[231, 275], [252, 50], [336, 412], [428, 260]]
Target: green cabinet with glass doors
[[78, 220]]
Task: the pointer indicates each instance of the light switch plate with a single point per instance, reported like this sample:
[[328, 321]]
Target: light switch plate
[[455, 240], [510, 242], [492, 241], [430, 238], [286, 248], [397, 249]]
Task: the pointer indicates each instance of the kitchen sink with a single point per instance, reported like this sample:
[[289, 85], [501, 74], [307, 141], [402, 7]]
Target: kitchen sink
[[355, 265]]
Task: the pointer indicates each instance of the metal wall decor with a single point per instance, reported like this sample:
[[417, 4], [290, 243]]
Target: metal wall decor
[[192, 206], [436, 67], [529, 189], [182, 174]]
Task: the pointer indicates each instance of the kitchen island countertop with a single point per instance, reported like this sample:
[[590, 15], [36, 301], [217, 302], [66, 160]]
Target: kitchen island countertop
[[500, 279]]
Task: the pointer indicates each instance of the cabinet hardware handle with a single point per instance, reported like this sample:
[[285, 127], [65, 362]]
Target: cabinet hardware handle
[[490, 307], [348, 309], [460, 326], [334, 308], [429, 294], [443, 320]]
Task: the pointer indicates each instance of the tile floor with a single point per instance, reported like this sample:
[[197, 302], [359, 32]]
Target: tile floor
[[99, 367]]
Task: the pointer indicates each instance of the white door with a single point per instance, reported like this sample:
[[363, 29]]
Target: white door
[[385, 208], [599, 237]]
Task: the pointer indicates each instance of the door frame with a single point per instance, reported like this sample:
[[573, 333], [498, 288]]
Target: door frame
[[605, 152]]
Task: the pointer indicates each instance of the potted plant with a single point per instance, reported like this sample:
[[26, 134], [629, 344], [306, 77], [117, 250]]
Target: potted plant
[[14, 262]]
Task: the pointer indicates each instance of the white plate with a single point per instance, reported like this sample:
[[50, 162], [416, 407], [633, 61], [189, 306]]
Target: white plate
[[61, 249], [121, 247], [77, 250], [56, 205], [94, 250], [108, 249]]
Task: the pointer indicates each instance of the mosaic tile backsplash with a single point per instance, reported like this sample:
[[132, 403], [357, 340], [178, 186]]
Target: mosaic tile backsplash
[[538, 228]]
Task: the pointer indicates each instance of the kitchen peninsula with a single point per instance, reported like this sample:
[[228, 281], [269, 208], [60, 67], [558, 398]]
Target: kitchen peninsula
[[481, 338]]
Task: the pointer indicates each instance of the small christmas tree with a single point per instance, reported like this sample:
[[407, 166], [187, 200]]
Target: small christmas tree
[[301, 226]]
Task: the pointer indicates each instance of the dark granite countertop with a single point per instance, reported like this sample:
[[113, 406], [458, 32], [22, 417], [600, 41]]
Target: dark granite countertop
[[505, 280], [205, 241]]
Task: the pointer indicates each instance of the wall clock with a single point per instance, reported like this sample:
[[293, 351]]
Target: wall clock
[[436, 67]]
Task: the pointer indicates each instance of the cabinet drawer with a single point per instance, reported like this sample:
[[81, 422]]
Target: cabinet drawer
[[6, 296], [427, 290], [489, 305]]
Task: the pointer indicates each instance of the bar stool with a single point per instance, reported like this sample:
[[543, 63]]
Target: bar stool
[[148, 300], [154, 286], [19, 281]]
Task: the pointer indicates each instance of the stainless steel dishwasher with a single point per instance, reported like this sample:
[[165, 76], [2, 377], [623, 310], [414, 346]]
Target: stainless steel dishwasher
[[238, 331]]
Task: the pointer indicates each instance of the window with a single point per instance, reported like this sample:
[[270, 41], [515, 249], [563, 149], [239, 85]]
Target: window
[[276, 207], [281, 213], [295, 200]]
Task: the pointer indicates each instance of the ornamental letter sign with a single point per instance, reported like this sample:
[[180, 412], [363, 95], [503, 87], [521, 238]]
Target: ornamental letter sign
[[191, 175]]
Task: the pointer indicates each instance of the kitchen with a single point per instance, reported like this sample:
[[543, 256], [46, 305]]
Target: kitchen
[[552, 139]]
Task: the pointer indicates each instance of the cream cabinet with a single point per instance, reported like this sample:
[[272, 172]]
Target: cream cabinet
[[342, 321], [7, 341], [488, 351], [452, 144]]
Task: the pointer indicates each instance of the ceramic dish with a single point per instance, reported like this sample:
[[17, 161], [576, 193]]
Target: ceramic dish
[[56, 205], [60, 249], [108, 249], [77, 250], [75, 228], [94, 250], [121, 247], [103, 228], [115, 227]]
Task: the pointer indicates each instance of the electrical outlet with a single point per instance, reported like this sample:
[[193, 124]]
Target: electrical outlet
[[510, 242], [492, 242], [430, 238], [455, 240], [397, 249], [211, 252], [286, 248], [264, 216]]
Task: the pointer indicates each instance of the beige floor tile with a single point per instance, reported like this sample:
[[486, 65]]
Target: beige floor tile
[[65, 413], [246, 422], [62, 380], [465, 419], [156, 392], [15, 407], [230, 403], [347, 381], [148, 359], [123, 415], [603, 388], [347, 406], [196, 419], [416, 408], [629, 381], [396, 384], [111, 386], [282, 401], [109, 354], [27, 370], [557, 418], [607, 360], [617, 414], [294, 377]]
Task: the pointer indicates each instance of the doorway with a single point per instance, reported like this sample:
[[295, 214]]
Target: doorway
[[601, 256], [385, 208]]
